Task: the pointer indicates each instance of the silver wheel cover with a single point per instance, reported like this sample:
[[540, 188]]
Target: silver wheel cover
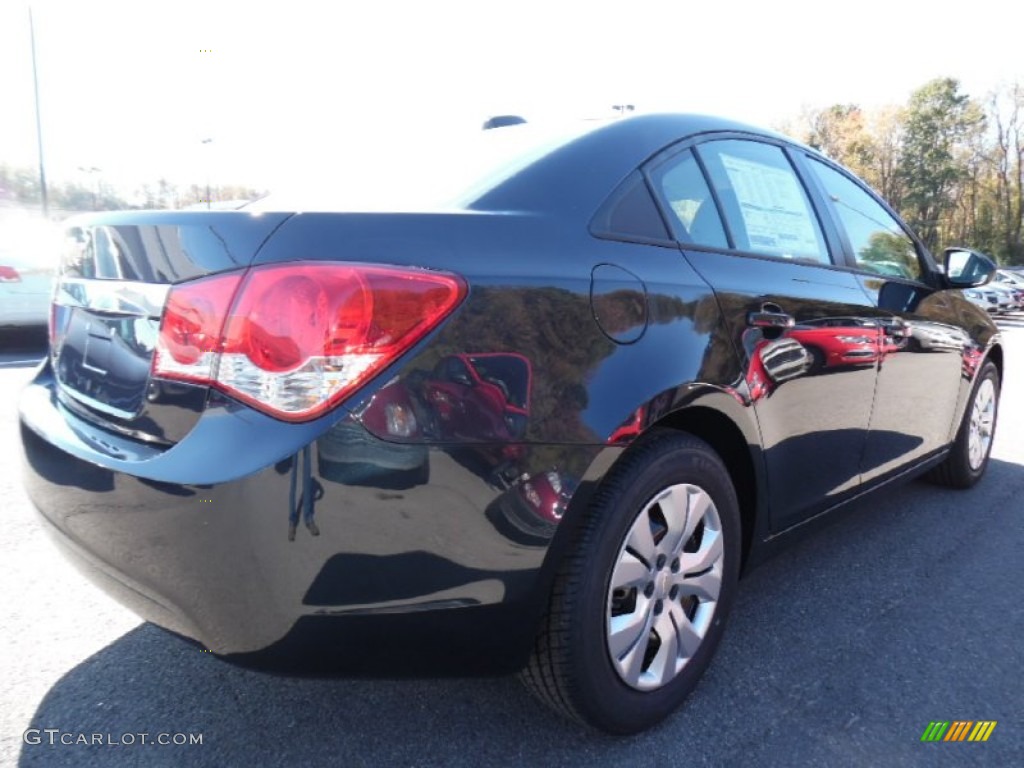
[[982, 425], [664, 586]]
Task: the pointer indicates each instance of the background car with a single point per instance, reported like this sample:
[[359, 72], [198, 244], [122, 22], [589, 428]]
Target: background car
[[1005, 299], [531, 508], [483, 396], [29, 253], [583, 332], [836, 341], [1009, 275], [937, 336], [985, 300], [1013, 283], [1003, 293], [345, 455]]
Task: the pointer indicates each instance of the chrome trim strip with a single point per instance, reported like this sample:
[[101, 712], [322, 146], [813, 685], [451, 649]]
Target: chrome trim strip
[[119, 297], [110, 410], [69, 400]]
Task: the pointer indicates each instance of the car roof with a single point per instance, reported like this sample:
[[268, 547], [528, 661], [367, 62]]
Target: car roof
[[561, 169], [583, 171]]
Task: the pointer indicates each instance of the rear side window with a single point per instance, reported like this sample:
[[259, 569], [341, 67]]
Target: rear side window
[[630, 213], [692, 213], [763, 201], [879, 243]]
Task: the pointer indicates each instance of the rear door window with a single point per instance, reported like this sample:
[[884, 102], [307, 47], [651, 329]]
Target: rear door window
[[765, 205], [684, 191]]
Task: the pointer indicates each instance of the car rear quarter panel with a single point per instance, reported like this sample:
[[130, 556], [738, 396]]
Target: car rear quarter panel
[[531, 278]]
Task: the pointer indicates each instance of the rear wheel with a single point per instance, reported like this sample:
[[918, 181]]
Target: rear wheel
[[640, 603], [968, 456]]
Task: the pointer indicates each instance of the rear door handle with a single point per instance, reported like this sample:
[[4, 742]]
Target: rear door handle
[[764, 319]]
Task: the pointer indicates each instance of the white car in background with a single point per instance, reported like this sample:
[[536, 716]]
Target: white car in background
[[1010, 276], [29, 248], [1005, 299], [982, 298], [1012, 282]]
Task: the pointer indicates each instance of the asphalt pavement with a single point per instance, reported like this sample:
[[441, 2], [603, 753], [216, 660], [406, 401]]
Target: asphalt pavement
[[840, 651]]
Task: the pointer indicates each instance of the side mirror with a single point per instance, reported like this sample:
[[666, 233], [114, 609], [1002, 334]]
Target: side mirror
[[965, 268]]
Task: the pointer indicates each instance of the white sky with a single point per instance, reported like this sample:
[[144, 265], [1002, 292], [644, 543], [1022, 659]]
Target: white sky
[[124, 86]]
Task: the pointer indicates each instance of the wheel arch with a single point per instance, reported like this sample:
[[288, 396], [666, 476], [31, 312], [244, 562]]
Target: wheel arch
[[727, 440], [713, 416], [995, 354]]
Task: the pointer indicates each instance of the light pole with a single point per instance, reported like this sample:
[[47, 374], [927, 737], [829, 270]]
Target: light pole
[[207, 142], [622, 109], [39, 124]]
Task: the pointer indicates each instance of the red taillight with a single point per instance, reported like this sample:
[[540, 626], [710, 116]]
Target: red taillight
[[9, 275], [190, 333], [294, 339]]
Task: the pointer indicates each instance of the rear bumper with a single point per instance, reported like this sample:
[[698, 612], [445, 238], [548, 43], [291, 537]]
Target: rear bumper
[[245, 538]]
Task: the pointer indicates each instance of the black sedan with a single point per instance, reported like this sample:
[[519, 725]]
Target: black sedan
[[537, 420]]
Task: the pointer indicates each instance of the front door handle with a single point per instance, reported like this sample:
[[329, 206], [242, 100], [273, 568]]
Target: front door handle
[[765, 319]]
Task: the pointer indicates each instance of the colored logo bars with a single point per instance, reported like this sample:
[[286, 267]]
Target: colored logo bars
[[958, 730]]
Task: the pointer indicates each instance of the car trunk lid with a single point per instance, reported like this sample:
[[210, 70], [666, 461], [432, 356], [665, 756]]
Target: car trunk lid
[[116, 273]]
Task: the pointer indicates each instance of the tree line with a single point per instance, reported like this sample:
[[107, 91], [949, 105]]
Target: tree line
[[20, 185], [950, 164]]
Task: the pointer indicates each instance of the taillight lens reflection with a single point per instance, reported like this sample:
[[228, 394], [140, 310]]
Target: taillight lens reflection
[[294, 339]]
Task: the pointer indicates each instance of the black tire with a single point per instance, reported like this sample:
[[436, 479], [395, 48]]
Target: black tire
[[817, 360], [571, 668], [421, 475], [956, 470]]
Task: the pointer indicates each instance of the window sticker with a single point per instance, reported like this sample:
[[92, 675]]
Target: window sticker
[[774, 212]]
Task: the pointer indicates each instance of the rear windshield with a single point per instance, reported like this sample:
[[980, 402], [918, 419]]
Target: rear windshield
[[442, 171]]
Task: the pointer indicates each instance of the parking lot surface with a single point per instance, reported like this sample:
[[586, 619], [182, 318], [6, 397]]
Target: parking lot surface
[[840, 651]]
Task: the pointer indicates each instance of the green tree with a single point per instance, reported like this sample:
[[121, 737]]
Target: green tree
[[886, 127], [890, 254], [840, 132], [939, 118], [868, 143], [1006, 114]]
